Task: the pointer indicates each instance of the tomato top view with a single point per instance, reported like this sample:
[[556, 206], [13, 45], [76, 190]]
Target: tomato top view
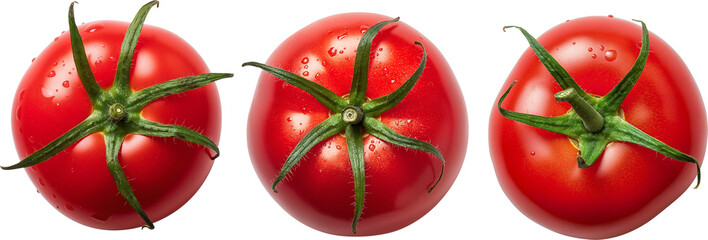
[[98, 134], [359, 127], [602, 130]]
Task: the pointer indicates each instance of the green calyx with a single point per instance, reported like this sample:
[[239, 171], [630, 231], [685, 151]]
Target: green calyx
[[594, 122], [116, 111], [357, 115]]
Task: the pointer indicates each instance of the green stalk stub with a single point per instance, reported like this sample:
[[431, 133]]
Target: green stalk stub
[[116, 112], [357, 115], [594, 122]]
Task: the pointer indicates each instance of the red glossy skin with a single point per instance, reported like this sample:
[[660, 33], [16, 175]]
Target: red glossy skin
[[320, 191], [164, 173], [629, 184]]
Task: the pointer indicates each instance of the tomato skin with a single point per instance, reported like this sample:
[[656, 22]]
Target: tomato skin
[[629, 184], [163, 173], [320, 191]]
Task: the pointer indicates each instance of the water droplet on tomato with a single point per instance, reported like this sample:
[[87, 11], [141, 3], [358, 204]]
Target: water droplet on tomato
[[573, 43], [289, 119], [56, 38], [18, 114], [65, 84], [54, 196], [41, 182], [340, 37], [589, 49], [321, 170], [305, 60], [306, 66], [533, 153], [317, 76], [593, 56], [339, 147], [93, 27], [610, 55], [610, 16], [341, 51], [22, 95], [51, 74], [602, 48], [332, 51], [69, 207], [306, 73], [372, 147], [98, 62], [101, 217], [55, 63], [34, 59]]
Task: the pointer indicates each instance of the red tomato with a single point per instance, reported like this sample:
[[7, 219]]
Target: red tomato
[[320, 191], [164, 173], [628, 184]]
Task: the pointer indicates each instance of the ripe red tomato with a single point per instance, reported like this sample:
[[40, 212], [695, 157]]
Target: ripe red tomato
[[628, 184], [319, 191], [164, 173]]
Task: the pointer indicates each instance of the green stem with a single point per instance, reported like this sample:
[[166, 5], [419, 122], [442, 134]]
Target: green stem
[[592, 120]]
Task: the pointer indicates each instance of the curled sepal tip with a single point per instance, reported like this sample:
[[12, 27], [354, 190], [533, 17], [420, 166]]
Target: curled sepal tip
[[121, 81], [357, 94], [149, 128], [383, 132], [113, 145], [355, 147]]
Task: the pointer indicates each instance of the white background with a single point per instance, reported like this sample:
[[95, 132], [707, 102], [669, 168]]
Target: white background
[[232, 204]]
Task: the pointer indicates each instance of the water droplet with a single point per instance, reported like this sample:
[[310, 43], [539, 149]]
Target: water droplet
[[34, 59], [573, 43], [602, 48], [380, 49], [340, 37], [324, 63], [610, 55], [533, 153], [610, 16], [22, 95], [341, 51], [332, 51], [41, 182], [306, 66], [93, 28], [567, 20], [289, 119], [593, 56], [339, 147], [321, 170], [589, 49], [306, 73], [98, 62], [69, 207], [65, 84], [54, 196], [19, 113], [51, 74], [55, 63], [317, 76], [305, 60], [56, 38], [372, 141], [372, 147]]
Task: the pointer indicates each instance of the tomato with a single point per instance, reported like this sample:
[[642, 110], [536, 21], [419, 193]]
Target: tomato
[[319, 190], [628, 184], [164, 173]]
